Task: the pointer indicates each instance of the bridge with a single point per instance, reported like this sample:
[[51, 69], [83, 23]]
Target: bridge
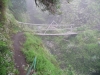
[[48, 29]]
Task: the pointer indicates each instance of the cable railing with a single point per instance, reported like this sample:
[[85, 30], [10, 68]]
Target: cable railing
[[33, 66], [46, 29]]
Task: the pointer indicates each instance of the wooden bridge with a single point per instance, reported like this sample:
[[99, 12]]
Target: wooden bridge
[[48, 29]]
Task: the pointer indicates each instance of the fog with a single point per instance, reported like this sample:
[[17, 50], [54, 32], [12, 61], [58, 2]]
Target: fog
[[80, 53], [78, 12]]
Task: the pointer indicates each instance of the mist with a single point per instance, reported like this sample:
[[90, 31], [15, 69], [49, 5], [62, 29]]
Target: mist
[[78, 53]]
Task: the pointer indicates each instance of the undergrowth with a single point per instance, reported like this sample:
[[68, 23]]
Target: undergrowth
[[6, 64]]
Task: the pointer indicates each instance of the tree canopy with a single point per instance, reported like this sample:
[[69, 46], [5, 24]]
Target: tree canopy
[[50, 5]]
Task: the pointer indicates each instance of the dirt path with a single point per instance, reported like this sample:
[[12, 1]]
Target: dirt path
[[19, 58]]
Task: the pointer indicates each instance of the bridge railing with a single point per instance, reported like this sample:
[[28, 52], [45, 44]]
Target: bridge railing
[[45, 28]]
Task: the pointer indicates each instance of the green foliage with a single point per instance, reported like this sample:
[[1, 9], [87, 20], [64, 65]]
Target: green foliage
[[1, 25], [3, 69], [46, 63], [4, 2], [6, 65], [70, 71], [49, 5], [3, 46], [82, 52]]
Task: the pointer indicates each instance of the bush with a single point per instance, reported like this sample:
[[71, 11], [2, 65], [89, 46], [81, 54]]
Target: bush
[[3, 46], [6, 63], [3, 63]]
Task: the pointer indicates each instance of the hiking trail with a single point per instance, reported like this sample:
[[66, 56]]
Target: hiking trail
[[19, 58]]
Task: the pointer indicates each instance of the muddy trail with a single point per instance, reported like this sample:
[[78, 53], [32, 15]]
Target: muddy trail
[[19, 58]]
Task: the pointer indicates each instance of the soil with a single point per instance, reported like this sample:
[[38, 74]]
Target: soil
[[19, 58]]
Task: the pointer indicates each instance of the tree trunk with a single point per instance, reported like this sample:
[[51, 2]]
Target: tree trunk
[[2, 11]]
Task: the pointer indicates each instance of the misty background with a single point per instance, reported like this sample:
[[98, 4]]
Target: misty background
[[80, 12], [80, 52]]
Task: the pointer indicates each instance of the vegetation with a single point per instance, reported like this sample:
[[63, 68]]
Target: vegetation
[[46, 63], [78, 55], [50, 5], [83, 52], [6, 64], [7, 23], [80, 52], [3, 4]]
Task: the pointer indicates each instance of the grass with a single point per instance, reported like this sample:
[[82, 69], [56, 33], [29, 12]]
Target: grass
[[46, 64]]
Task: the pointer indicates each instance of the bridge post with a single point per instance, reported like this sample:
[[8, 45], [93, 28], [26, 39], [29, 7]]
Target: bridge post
[[71, 28]]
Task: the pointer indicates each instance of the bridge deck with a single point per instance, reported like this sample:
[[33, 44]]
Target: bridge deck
[[59, 34]]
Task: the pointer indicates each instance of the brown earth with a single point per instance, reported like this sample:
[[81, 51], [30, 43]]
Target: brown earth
[[19, 58]]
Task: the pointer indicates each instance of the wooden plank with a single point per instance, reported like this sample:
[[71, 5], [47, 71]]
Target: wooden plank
[[59, 34]]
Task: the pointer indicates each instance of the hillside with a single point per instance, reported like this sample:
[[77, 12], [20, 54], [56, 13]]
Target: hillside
[[22, 52]]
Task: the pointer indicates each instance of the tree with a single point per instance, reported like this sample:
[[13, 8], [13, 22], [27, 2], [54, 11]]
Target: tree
[[50, 5], [2, 10]]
